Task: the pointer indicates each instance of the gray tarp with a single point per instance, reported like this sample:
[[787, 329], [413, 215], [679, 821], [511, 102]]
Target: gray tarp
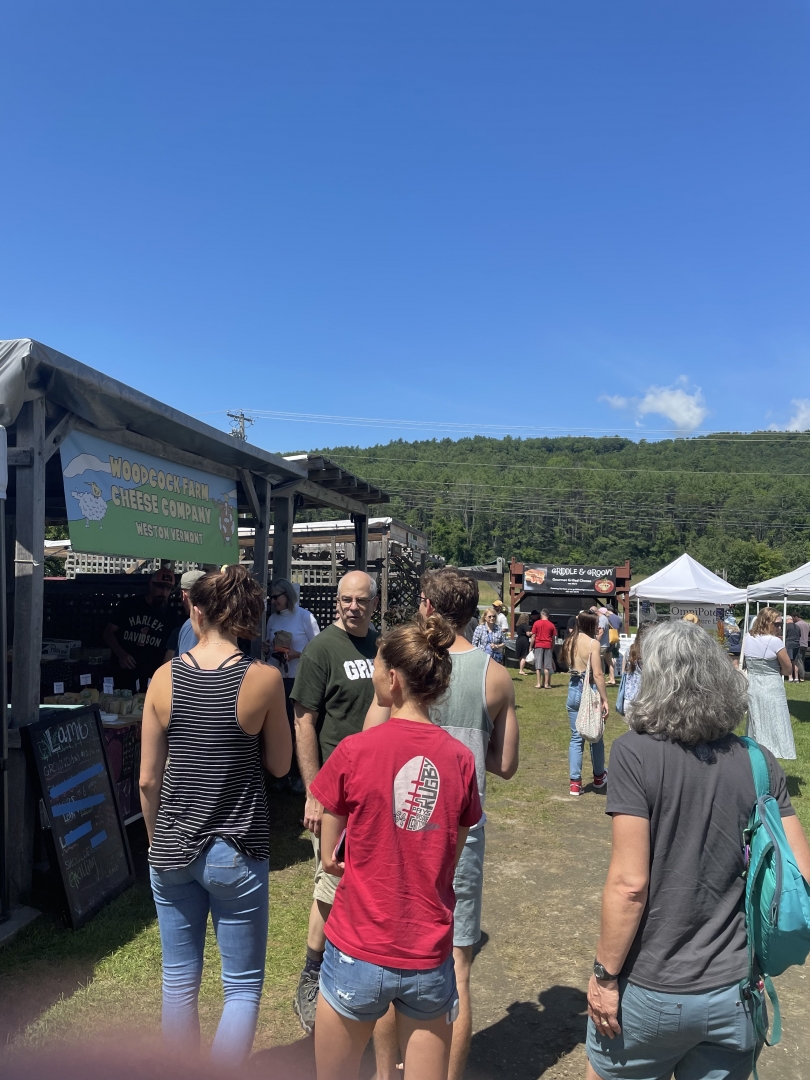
[[792, 586], [29, 369]]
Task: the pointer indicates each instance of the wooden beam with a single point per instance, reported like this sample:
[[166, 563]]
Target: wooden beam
[[360, 541], [326, 497], [58, 433], [283, 521], [20, 456], [261, 552], [283, 490], [252, 498], [29, 557]]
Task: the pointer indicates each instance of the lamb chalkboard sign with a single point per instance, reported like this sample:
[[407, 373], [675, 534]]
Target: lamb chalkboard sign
[[81, 808]]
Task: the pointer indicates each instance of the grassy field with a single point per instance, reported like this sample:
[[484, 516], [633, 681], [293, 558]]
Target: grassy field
[[62, 984]]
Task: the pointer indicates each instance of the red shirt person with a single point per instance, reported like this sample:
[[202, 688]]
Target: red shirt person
[[405, 793], [544, 632]]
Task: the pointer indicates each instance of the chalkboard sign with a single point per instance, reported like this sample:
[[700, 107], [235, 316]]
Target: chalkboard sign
[[80, 804]]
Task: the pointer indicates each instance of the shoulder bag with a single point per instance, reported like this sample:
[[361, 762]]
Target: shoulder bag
[[590, 722]]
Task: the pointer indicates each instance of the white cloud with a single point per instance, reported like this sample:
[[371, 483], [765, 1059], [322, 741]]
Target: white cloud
[[82, 462], [800, 421], [616, 401], [686, 411]]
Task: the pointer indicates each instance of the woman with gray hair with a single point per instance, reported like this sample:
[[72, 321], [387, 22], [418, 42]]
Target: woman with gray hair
[[671, 961], [290, 628]]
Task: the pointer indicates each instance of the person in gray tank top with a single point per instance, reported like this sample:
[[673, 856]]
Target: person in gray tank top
[[479, 710]]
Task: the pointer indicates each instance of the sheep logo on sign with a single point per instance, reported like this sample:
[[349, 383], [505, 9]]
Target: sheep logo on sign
[[91, 504], [416, 790]]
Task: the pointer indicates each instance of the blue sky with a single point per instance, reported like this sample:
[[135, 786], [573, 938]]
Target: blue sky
[[467, 216]]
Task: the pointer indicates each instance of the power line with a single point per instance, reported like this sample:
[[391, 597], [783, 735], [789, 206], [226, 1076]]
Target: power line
[[501, 430]]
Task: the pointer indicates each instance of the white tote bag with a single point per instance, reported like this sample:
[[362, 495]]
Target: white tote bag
[[590, 722]]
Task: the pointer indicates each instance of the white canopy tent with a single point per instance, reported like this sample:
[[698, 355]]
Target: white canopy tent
[[686, 581], [793, 586]]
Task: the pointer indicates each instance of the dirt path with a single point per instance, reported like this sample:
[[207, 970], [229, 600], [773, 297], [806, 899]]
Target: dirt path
[[541, 915]]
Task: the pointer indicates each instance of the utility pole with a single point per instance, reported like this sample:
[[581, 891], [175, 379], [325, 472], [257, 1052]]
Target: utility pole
[[238, 426]]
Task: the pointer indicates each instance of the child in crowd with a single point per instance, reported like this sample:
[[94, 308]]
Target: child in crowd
[[405, 793]]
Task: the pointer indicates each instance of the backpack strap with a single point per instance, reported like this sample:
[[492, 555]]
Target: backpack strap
[[759, 766]]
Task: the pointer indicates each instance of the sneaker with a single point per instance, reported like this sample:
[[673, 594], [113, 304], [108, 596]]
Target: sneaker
[[600, 781], [306, 1000], [575, 788]]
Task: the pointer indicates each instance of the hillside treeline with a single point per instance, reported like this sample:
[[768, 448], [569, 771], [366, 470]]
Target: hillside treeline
[[738, 503]]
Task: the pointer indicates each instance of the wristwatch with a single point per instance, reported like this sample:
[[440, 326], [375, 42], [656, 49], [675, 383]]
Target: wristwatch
[[601, 973]]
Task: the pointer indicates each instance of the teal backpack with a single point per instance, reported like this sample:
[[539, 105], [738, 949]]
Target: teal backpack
[[777, 902]]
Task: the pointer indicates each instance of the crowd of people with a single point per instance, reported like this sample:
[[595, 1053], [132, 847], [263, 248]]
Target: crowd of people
[[394, 737]]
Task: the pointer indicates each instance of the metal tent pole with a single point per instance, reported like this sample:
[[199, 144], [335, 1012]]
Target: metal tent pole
[[5, 897]]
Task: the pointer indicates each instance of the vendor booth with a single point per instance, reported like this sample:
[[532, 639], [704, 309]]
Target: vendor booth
[[688, 587], [564, 590], [128, 476], [793, 588]]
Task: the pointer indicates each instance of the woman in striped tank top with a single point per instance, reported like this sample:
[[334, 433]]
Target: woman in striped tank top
[[211, 719]]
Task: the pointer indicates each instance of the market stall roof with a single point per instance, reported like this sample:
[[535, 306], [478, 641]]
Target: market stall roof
[[326, 474], [792, 586], [687, 581], [29, 369]]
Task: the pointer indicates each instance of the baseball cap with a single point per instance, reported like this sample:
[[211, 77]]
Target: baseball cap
[[497, 603], [163, 577], [191, 577]]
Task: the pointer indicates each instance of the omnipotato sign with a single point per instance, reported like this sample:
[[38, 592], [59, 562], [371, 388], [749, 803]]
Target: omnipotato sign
[[123, 502]]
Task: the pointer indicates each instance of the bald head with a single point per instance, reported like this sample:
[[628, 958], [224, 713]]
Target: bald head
[[356, 602]]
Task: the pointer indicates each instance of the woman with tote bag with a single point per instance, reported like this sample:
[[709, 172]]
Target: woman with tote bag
[[581, 654]]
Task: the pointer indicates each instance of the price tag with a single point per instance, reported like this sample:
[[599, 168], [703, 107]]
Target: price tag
[[108, 686], [59, 688], [85, 680]]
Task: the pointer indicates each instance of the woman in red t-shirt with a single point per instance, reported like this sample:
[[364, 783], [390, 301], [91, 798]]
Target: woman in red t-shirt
[[406, 794]]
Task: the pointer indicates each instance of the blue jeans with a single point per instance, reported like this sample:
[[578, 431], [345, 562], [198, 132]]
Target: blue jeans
[[234, 888], [359, 990], [695, 1036], [577, 742]]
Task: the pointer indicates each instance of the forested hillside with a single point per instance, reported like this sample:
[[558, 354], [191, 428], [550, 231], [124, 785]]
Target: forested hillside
[[735, 502]]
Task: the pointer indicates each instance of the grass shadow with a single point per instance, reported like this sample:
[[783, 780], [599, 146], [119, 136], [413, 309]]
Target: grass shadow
[[288, 844], [799, 710], [794, 784], [47, 961], [530, 1038]]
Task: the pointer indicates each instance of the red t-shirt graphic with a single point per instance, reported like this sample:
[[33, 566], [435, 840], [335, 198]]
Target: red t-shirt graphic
[[406, 788]]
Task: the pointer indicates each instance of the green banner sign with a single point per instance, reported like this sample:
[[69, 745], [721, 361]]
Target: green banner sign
[[124, 502]]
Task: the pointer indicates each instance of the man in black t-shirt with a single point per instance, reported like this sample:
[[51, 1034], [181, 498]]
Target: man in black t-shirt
[[138, 631]]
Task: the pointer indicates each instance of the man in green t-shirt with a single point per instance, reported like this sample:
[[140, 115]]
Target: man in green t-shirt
[[332, 695]]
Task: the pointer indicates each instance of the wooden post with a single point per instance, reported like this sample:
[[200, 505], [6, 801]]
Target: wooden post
[[283, 521], [386, 555], [261, 551], [334, 560], [360, 541], [29, 557]]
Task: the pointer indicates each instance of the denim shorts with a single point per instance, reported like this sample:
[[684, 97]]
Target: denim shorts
[[468, 885], [691, 1035], [362, 991]]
